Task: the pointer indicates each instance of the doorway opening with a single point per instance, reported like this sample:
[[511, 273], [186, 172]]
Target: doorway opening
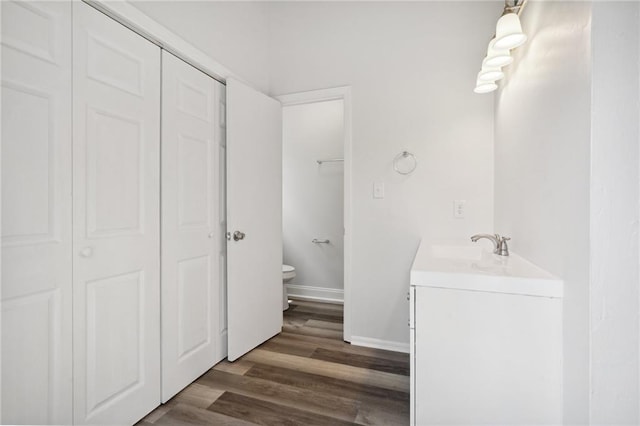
[[316, 146]]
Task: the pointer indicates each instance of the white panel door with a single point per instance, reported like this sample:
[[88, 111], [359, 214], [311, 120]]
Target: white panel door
[[190, 233], [36, 213], [116, 230], [254, 218]]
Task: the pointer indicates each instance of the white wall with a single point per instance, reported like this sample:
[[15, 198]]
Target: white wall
[[313, 194], [412, 67], [542, 134], [233, 33], [567, 189], [614, 213]]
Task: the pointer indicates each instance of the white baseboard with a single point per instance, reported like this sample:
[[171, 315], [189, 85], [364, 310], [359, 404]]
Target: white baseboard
[[380, 344], [306, 292]]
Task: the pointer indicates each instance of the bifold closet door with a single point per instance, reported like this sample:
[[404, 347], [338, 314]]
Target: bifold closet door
[[116, 230], [190, 224], [36, 213]]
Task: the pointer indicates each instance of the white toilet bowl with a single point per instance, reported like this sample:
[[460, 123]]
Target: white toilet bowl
[[288, 273]]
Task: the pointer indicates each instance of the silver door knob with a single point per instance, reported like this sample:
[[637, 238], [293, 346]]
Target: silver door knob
[[86, 252], [237, 236]]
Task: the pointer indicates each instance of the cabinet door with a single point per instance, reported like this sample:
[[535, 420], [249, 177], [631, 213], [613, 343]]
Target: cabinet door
[[116, 233], [190, 233], [487, 358], [36, 212]]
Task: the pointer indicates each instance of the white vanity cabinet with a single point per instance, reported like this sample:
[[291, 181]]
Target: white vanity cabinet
[[486, 339]]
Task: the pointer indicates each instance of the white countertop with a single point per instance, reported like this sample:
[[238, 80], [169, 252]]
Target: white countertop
[[474, 267]]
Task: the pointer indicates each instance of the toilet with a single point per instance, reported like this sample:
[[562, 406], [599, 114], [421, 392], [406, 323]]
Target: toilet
[[288, 273]]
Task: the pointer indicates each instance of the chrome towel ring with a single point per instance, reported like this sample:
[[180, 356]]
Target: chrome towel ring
[[405, 163]]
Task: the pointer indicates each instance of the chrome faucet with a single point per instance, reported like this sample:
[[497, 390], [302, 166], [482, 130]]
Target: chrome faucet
[[499, 243]]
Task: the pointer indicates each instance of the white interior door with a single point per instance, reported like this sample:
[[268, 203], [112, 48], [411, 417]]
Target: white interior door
[[222, 224], [190, 232], [254, 218], [116, 235], [36, 213]]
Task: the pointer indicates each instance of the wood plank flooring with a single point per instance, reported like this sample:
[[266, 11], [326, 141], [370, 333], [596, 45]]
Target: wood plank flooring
[[306, 375]]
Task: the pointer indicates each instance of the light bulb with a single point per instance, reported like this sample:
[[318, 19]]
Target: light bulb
[[490, 74], [496, 58], [509, 32], [485, 87]]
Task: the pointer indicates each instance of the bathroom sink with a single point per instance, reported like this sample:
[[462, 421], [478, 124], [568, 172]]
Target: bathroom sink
[[457, 252], [475, 267]]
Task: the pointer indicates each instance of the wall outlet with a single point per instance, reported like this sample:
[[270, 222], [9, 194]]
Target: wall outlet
[[378, 190], [459, 208]]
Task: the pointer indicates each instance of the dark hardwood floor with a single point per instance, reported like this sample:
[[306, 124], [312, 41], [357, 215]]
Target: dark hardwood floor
[[306, 375]]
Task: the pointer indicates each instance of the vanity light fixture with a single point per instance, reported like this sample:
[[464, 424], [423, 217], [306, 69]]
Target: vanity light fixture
[[508, 36]]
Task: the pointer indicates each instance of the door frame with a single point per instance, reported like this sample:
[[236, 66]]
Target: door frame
[[337, 93]]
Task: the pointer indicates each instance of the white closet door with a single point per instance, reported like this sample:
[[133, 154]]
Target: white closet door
[[116, 221], [254, 216], [190, 234], [36, 213]]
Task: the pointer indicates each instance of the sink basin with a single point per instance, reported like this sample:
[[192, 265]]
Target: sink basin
[[457, 252], [477, 268]]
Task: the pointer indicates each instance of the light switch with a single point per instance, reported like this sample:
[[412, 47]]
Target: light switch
[[459, 208], [378, 190]]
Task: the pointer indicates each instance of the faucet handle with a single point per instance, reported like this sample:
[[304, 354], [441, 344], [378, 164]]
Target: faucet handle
[[503, 248]]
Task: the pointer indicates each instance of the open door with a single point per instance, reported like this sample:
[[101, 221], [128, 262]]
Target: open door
[[254, 218]]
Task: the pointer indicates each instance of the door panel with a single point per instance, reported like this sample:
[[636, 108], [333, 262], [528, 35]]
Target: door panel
[[114, 175], [106, 336], [190, 236], [254, 207], [36, 213], [116, 241]]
